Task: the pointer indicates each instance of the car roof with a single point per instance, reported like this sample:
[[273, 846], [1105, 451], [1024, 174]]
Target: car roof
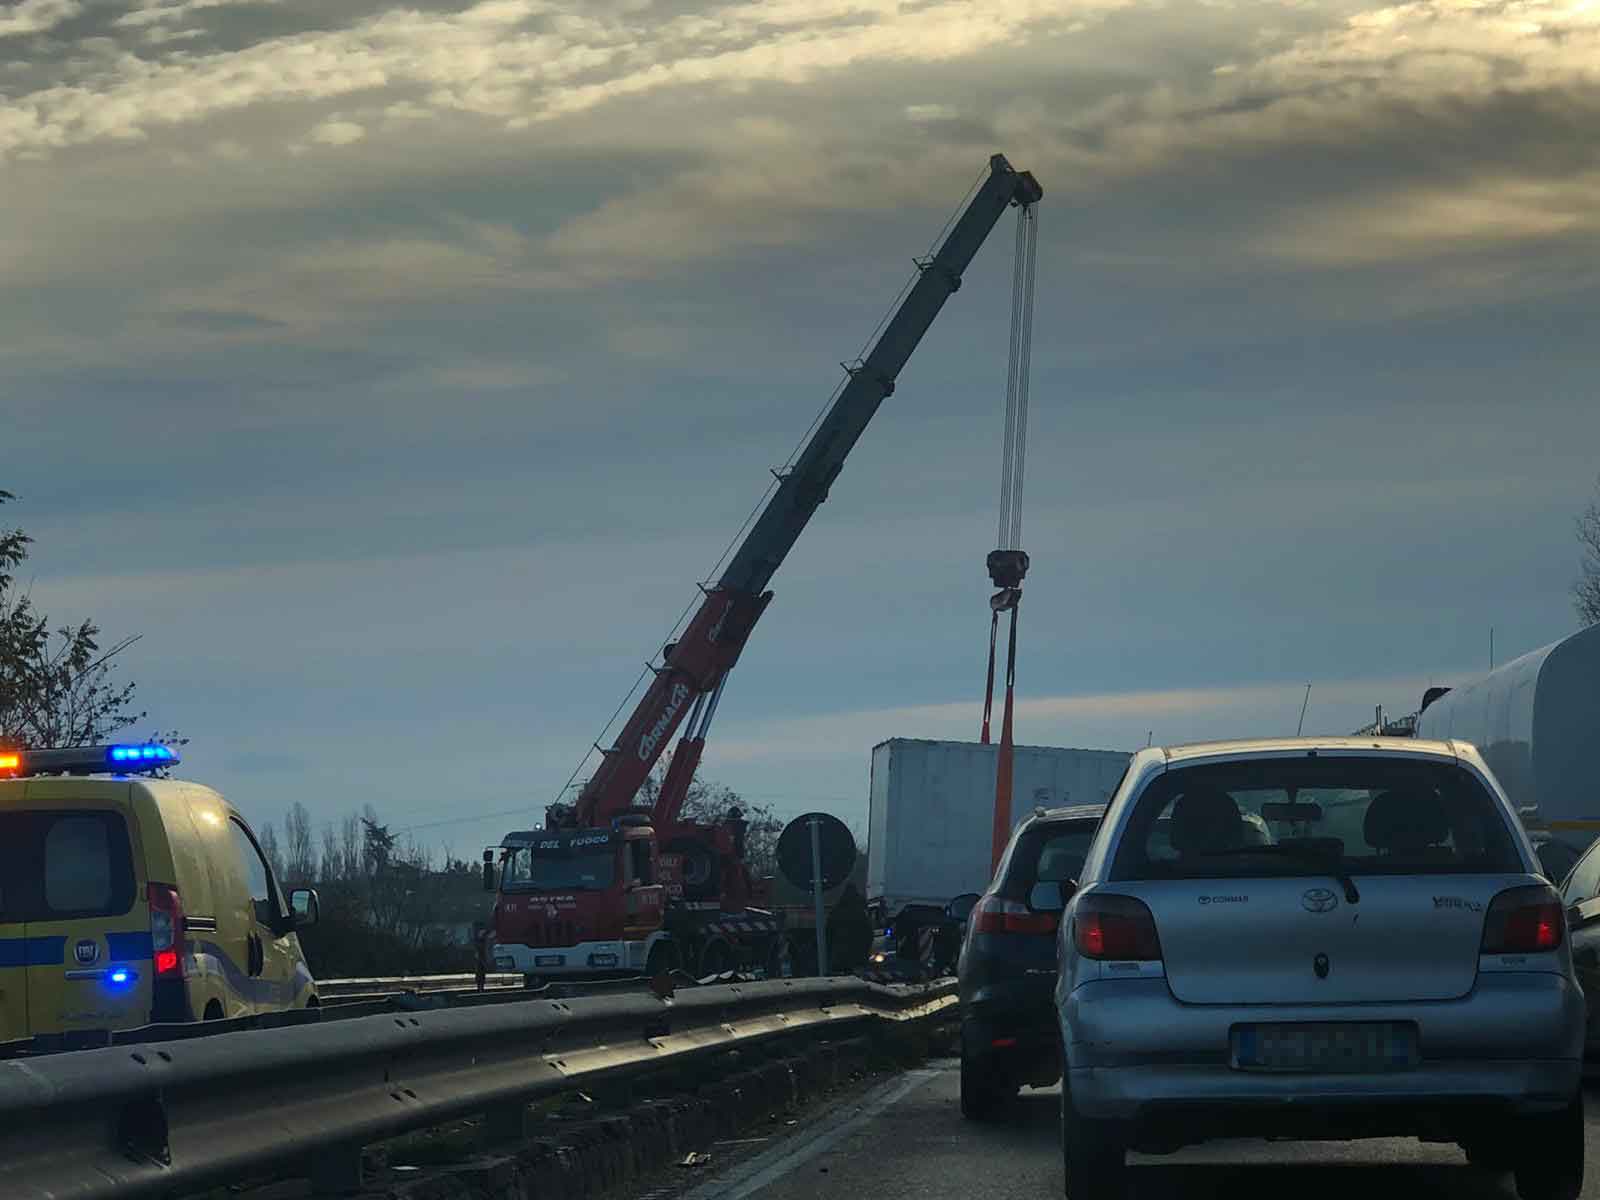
[[1252, 747]]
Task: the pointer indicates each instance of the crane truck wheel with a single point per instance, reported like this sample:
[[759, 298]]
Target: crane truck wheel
[[663, 958], [716, 958]]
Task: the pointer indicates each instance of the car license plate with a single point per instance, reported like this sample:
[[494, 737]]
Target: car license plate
[[1344, 1046], [549, 960], [602, 960]]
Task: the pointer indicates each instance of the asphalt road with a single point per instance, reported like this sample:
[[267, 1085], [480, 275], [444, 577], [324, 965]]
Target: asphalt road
[[905, 1140]]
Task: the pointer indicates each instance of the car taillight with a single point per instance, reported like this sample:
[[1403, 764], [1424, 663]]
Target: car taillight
[[1524, 920], [994, 915], [166, 930], [1115, 927]]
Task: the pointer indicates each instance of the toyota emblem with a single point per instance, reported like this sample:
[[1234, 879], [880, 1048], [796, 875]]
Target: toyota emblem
[[1319, 900], [550, 912]]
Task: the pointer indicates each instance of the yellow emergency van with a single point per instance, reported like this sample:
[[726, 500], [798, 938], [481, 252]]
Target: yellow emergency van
[[127, 900]]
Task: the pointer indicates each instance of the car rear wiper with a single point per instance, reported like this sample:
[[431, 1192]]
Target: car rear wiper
[[1327, 860]]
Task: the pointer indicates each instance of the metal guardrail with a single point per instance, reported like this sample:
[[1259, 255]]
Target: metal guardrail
[[172, 1117], [344, 1007], [334, 990]]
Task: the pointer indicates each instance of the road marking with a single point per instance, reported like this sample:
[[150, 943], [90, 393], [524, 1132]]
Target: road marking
[[781, 1160]]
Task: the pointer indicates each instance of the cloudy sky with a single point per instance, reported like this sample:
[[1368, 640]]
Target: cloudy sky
[[397, 370]]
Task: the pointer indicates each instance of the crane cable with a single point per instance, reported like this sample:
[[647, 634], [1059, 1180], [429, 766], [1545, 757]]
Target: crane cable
[[1008, 563]]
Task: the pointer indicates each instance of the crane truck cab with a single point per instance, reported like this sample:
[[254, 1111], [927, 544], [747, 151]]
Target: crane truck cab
[[127, 900], [627, 899], [578, 902]]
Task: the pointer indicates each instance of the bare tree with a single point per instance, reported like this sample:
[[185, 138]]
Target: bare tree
[[1586, 591], [329, 872], [60, 688], [299, 855], [350, 848], [268, 836], [710, 803]]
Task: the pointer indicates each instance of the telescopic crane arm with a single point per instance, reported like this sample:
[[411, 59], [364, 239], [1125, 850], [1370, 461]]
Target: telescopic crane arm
[[695, 666]]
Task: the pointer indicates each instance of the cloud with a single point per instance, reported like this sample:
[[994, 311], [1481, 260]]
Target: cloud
[[1430, 220], [1115, 720], [337, 133], [37, 16], [152, 12]]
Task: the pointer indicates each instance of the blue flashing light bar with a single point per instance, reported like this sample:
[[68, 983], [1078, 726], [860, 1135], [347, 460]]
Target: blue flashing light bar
[[149, 753], [121, 977], [118, 759]]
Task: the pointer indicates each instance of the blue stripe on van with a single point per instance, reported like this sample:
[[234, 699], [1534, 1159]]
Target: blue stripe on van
[[125, 947], [33, 952]]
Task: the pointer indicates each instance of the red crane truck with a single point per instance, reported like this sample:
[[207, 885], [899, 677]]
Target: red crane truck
[[608, 886]]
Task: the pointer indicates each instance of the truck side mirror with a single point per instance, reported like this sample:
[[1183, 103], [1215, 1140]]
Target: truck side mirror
[[488, 870]]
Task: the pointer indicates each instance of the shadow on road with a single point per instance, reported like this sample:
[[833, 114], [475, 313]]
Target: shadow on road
[[1030, 1126]]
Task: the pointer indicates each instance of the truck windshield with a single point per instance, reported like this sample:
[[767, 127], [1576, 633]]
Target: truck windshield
[[588, 870]]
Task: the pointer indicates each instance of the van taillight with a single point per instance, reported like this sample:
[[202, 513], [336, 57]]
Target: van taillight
[[166, 930], [1115, 927], [994, 915], [1524, 920]]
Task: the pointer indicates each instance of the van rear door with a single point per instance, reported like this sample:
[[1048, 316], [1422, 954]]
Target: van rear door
[[13, 934], [88, 924]]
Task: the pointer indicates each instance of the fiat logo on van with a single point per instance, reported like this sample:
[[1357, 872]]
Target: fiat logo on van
[[86, 951], [1319, 900]]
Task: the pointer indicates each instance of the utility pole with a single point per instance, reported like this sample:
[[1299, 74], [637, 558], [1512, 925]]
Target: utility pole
[[1300, 728]]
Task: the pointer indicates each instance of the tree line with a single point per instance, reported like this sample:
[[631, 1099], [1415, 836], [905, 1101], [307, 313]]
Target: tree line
[[390, 906]]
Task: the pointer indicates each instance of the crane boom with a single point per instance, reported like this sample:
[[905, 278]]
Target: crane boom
[[698, 661]]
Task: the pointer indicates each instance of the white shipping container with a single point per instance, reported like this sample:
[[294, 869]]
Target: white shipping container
[[1536, 722], [931, 817]]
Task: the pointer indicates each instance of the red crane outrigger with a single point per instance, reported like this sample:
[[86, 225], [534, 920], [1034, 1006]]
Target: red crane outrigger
[[702, 869]]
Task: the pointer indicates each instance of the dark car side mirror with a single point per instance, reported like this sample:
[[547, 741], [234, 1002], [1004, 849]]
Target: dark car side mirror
[[305, 906], [959, 909], [488, 870]]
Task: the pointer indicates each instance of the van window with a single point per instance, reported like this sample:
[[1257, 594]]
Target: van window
[[256, 876], [11, 832], [65, 865], [77, 865]]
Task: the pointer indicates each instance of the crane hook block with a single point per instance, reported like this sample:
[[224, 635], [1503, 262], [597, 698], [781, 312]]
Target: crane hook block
[[1007, 568]]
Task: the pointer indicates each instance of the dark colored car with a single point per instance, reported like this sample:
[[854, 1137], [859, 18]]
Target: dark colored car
[[1008, 961], [1556, 857], [1580, 895]]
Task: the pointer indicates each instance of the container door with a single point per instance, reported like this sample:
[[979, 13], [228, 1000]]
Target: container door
[[13, 932], [89, 965]]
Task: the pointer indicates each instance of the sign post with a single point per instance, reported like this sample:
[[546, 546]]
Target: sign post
[[816, 895]]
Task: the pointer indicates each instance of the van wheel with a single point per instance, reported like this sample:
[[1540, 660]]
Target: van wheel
[[213, 1011], [1550, 1155]]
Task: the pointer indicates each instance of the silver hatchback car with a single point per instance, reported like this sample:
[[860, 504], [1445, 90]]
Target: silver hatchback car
[[1386, 962]]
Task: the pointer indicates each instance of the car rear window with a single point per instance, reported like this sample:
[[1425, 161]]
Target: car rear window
[[1307, 816], [1050, 852], [66, 865]]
